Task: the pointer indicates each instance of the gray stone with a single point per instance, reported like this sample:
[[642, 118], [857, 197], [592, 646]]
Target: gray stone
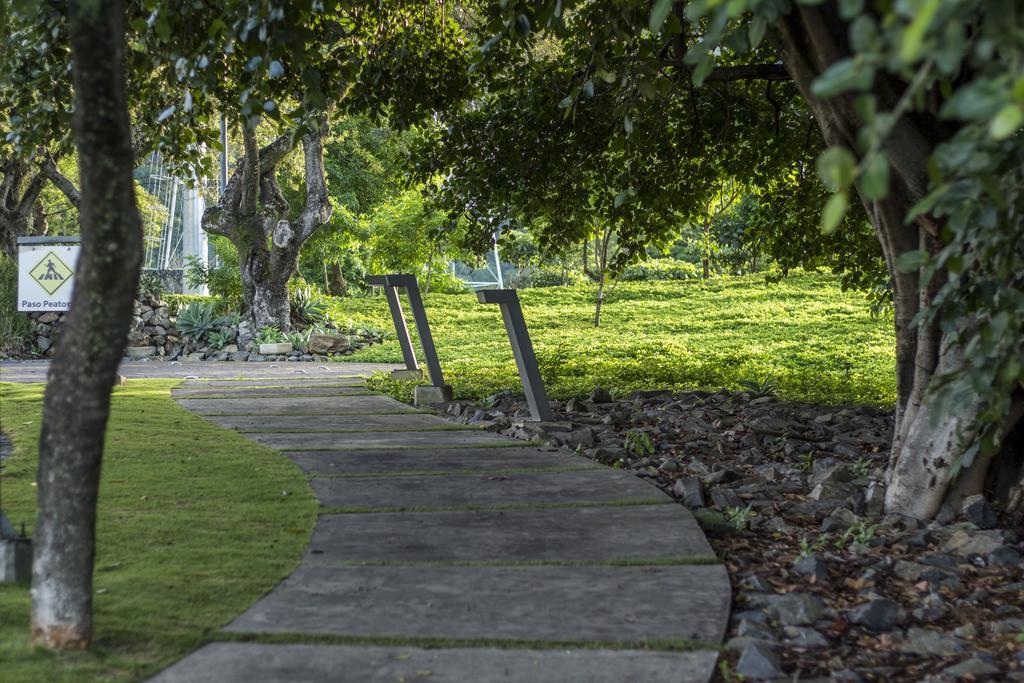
[[406, 375], [836, 473], [275, 349], [432, 395], [928, 643], [832, 491], [452, 460], [879, 615], [975, 543], [977, 510], [758, 661], [197, 356], [600, 395], [802, 636], [598, 533], [811, 566], [973, 667], [140, 351], [724, 498], [794, 609], [597, 486], [1011, 625], [249, 662], [239, 356], [541, 603], [1005, 557], [945, 515], [230, 348], [689, 491], [327, 343]]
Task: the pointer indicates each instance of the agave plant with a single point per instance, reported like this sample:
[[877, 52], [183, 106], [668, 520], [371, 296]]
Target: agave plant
[[269, 335], [298, 340], [307, 308], [219, 339], [196, 320]]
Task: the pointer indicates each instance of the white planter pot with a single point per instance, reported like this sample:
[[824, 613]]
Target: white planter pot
[[275, 349]]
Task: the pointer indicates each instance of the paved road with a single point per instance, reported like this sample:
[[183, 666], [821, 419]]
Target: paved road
[[447, 554]]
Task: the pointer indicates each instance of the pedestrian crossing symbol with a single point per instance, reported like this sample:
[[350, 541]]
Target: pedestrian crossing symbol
[[51, 273]]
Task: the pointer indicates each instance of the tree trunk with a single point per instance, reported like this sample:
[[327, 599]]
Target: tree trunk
[[339, 285], [77, 401], [600, 300], [265, 285], [809, 40]]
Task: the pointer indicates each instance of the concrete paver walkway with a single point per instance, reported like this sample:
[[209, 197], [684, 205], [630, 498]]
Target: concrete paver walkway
[[448, 554]]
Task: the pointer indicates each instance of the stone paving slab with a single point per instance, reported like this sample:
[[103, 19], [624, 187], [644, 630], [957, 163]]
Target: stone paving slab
[[248, 662], [433, 460], [538, 603], [380, 440], [598, 533], [597, 486], [339, 423], [270, 391], [341, 381], [348, 405]]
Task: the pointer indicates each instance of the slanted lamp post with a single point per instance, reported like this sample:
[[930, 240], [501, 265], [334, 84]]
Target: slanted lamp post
[[438, 391], [522, 349]]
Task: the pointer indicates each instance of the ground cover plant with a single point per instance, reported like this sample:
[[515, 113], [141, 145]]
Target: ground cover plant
[[194, 524], [816, 342]]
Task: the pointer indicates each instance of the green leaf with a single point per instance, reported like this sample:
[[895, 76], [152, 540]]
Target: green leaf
[[658, 14], [139, 25], [758, 27], [833, 213], [846, 74], [1006, 122], [875, 181], [913, 37], [837, 168], [909, 261]]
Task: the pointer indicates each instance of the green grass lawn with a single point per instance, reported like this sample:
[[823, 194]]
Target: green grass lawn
[[818, 343], [195, 524]]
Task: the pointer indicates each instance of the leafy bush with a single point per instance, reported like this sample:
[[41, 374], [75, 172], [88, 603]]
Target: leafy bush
[[443, 282], [15, 327], [196, 320], [150, 283], [224, 279], [551, 277], [660, 269]]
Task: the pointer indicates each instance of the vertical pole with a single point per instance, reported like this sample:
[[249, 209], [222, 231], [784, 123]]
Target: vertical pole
[[401, 329], [419, 315], [497, 266]]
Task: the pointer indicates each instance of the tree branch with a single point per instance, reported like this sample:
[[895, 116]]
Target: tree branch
[[749, 72], [318, 206], [50, 170], [250, 174]]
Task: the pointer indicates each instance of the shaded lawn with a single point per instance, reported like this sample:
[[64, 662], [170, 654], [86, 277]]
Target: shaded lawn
[[818, 343], [195, 524]]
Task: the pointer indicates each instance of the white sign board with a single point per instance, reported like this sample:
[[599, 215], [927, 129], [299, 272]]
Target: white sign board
[[46, 274]]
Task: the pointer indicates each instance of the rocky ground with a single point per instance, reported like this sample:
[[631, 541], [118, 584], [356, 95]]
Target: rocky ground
[[825, 587]]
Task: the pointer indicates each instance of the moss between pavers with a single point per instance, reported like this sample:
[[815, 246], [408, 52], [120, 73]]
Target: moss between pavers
[[448, 473], [660, 500], [414, 447], [314, 430], [679, 560], [661, 644], [195, 524]]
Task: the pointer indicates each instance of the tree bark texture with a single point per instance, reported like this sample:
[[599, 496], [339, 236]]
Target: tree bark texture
[[253, 214], [809, 40], [77, 400]]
